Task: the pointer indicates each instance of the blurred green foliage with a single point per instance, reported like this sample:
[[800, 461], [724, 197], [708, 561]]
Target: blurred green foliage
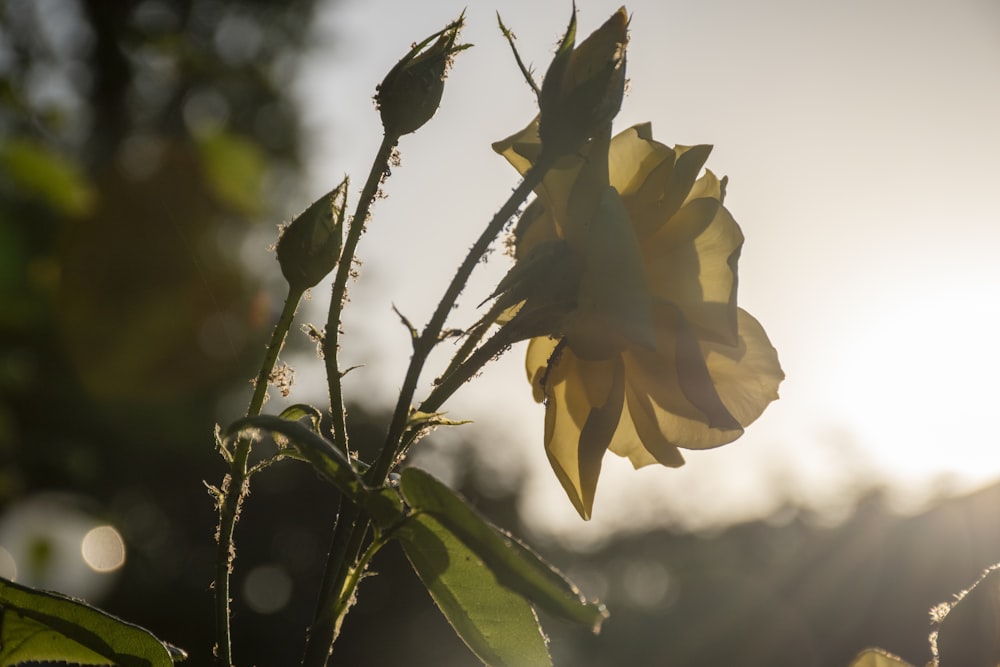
[[142, 145]]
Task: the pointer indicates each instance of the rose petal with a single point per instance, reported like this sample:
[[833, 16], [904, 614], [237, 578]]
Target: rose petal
[[675, 375], [577, 431], [540, 351], [533, 227], [708, 185], [633, 156], [639, 438], [685, 432], [521, 148], [747, 376], [692, 261]]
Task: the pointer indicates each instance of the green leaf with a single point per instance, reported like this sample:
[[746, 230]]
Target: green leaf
[[320, 452], [235, 168], [497, 624], [300, 411], [385, 508], [40, 626], [42, 172], [430, 420], [513, 564], [25, 640]]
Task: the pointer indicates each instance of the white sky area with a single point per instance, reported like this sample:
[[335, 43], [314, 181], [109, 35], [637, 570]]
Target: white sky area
[[861, 142]]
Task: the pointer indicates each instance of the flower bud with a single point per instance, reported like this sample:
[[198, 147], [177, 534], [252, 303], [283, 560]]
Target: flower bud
[[410, 93], [583, 87], [309, 248]]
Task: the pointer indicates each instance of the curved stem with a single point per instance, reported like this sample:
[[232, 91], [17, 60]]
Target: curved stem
[[451, 383], [431, 334], [234, 489], [472, 338], [351, 581], [338, 298], [454, 379], [352, 527], [343, 550]]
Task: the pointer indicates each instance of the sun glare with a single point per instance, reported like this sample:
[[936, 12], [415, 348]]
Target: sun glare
[[103, 549], [914, 383]]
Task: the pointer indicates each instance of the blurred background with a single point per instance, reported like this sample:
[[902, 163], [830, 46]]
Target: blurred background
[[149, 150]]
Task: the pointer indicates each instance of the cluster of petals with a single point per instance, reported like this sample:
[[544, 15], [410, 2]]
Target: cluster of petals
[[625, 281]]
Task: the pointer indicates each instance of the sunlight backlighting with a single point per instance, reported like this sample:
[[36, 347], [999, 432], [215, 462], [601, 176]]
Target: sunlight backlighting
[[8, 566], [646, 582], [917, 388], [103, 549], [53, 542], [870, 220]]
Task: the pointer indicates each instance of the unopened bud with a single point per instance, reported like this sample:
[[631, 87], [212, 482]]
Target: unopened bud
[[309, 248], [583, 87], [410, 93]]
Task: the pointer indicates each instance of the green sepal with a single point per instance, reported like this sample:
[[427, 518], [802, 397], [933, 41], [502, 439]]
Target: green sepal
[[514, 565], [551, 94], [37, 626], [525, 71]]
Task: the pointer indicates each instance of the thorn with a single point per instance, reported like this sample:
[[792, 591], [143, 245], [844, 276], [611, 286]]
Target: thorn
[[412, 329]]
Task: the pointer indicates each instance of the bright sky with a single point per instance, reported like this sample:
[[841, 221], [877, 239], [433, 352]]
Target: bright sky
[[862, 147]]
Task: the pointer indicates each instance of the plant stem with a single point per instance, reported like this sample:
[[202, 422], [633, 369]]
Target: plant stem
[[450, 384], [451, 381], [325, 625], [351, 525], [431, 334], [472, 338], [338, 298], [234, 487]]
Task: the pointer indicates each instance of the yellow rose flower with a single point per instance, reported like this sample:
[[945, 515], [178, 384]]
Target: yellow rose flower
[[625, 281]]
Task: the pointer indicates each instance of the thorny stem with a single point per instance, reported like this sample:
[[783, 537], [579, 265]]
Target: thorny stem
[[352, 527], [472, 338], [234, 487], [353, 578], [326, 621], [331, 339], [457, 375], [431, 334], [451, 382]]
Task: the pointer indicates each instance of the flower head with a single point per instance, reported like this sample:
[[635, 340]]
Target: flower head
[[637, 344]]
